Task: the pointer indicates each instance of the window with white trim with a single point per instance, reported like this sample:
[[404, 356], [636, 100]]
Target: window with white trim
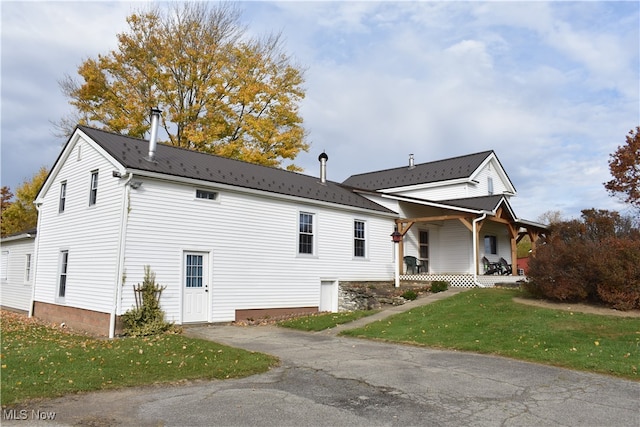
[[208, 195], [490, 245], [27, 268], [490, 185], [63, 196], [305, 233], [423, 237], [93, 191], [62, 278], [359, 239]]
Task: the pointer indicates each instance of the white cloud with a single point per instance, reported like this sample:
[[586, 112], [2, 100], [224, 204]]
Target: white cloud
[[552, 87]]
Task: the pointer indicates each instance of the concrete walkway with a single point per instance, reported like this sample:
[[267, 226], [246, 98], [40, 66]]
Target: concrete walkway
[[327, 380], [391, 310]]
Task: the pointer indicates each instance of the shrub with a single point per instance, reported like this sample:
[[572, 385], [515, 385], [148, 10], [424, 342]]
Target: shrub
[[439, 286], [619, 284], [409, 295], [594, 259], [147, 318]]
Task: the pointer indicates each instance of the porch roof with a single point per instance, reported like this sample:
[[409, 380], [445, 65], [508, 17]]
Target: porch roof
[[483, 203]]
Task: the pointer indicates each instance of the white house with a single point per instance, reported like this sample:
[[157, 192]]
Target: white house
[[16, 271], [234, 240]]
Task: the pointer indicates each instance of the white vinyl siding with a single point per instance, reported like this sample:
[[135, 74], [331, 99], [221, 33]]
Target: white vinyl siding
[[5, 266], [451, 251], [501, 249], [15, 290], [91, 234], [165, 221], [478, 187]]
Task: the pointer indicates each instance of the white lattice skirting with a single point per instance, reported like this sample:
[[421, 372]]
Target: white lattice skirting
[[463, 280]]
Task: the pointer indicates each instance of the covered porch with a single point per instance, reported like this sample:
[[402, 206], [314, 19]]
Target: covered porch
[[459, 243]]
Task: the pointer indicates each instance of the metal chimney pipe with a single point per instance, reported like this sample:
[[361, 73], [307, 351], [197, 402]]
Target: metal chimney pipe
[[153, 139], [323, 167], [411, 163]]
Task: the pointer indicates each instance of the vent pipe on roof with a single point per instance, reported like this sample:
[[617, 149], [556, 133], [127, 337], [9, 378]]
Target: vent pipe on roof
[[153, 139], [411, 163], [323, 167]]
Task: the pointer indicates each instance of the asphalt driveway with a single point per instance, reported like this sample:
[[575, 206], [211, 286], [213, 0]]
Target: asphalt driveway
[[325, 380]]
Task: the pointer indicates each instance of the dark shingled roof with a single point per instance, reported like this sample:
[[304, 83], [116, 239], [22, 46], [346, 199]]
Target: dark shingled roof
[[484, 203], [180, 162], [441, 170]]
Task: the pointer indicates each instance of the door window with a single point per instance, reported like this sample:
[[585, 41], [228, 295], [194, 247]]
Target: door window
[[194, 271]]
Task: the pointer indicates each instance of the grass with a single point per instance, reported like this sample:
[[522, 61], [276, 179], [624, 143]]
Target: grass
[[41, 361], [320, 322], [489, 321]]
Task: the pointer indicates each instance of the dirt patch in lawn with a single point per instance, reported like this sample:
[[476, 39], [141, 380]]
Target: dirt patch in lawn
[[578, 307]]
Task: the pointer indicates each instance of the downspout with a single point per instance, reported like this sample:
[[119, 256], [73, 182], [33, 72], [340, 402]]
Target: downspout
[[35, 262], [475, 249], [117, 292]]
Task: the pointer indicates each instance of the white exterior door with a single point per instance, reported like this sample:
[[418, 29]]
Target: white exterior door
[[328, 296], [195, 288]]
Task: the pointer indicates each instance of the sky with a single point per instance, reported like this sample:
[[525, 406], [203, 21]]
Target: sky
[[552, 87]]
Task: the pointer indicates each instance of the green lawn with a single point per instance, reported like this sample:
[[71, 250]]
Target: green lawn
[[42, 361], [320, 322], [489, 321]]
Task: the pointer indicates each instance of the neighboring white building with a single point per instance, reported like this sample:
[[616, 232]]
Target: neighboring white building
[[17, 269], [234, 240]]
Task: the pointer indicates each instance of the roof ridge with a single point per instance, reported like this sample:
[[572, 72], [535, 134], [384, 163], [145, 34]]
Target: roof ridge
[[187, 163], [487, 152], [175, 147]]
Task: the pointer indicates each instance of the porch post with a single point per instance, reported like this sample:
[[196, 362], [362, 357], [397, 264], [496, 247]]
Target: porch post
[[513, 234], [396, 238], [396, 277], [514, 257]]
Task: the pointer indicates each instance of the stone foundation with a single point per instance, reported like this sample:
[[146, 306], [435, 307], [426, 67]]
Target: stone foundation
[[373, 295], [93, 322]]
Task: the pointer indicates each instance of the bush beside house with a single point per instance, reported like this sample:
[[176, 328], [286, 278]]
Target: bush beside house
[[595, 259]]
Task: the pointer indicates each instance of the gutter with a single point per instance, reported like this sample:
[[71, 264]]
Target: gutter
[[34, 280], [117, 292], [475, 249]]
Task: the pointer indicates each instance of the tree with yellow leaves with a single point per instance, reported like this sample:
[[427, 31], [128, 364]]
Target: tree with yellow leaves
[[220, 91], [21, 214]]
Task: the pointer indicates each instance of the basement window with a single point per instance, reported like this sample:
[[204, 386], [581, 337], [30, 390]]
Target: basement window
[[207, 195]]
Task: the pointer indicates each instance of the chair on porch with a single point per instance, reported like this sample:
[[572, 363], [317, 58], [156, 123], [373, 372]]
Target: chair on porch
[[412, 264], [506, 268], [491, 268]]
